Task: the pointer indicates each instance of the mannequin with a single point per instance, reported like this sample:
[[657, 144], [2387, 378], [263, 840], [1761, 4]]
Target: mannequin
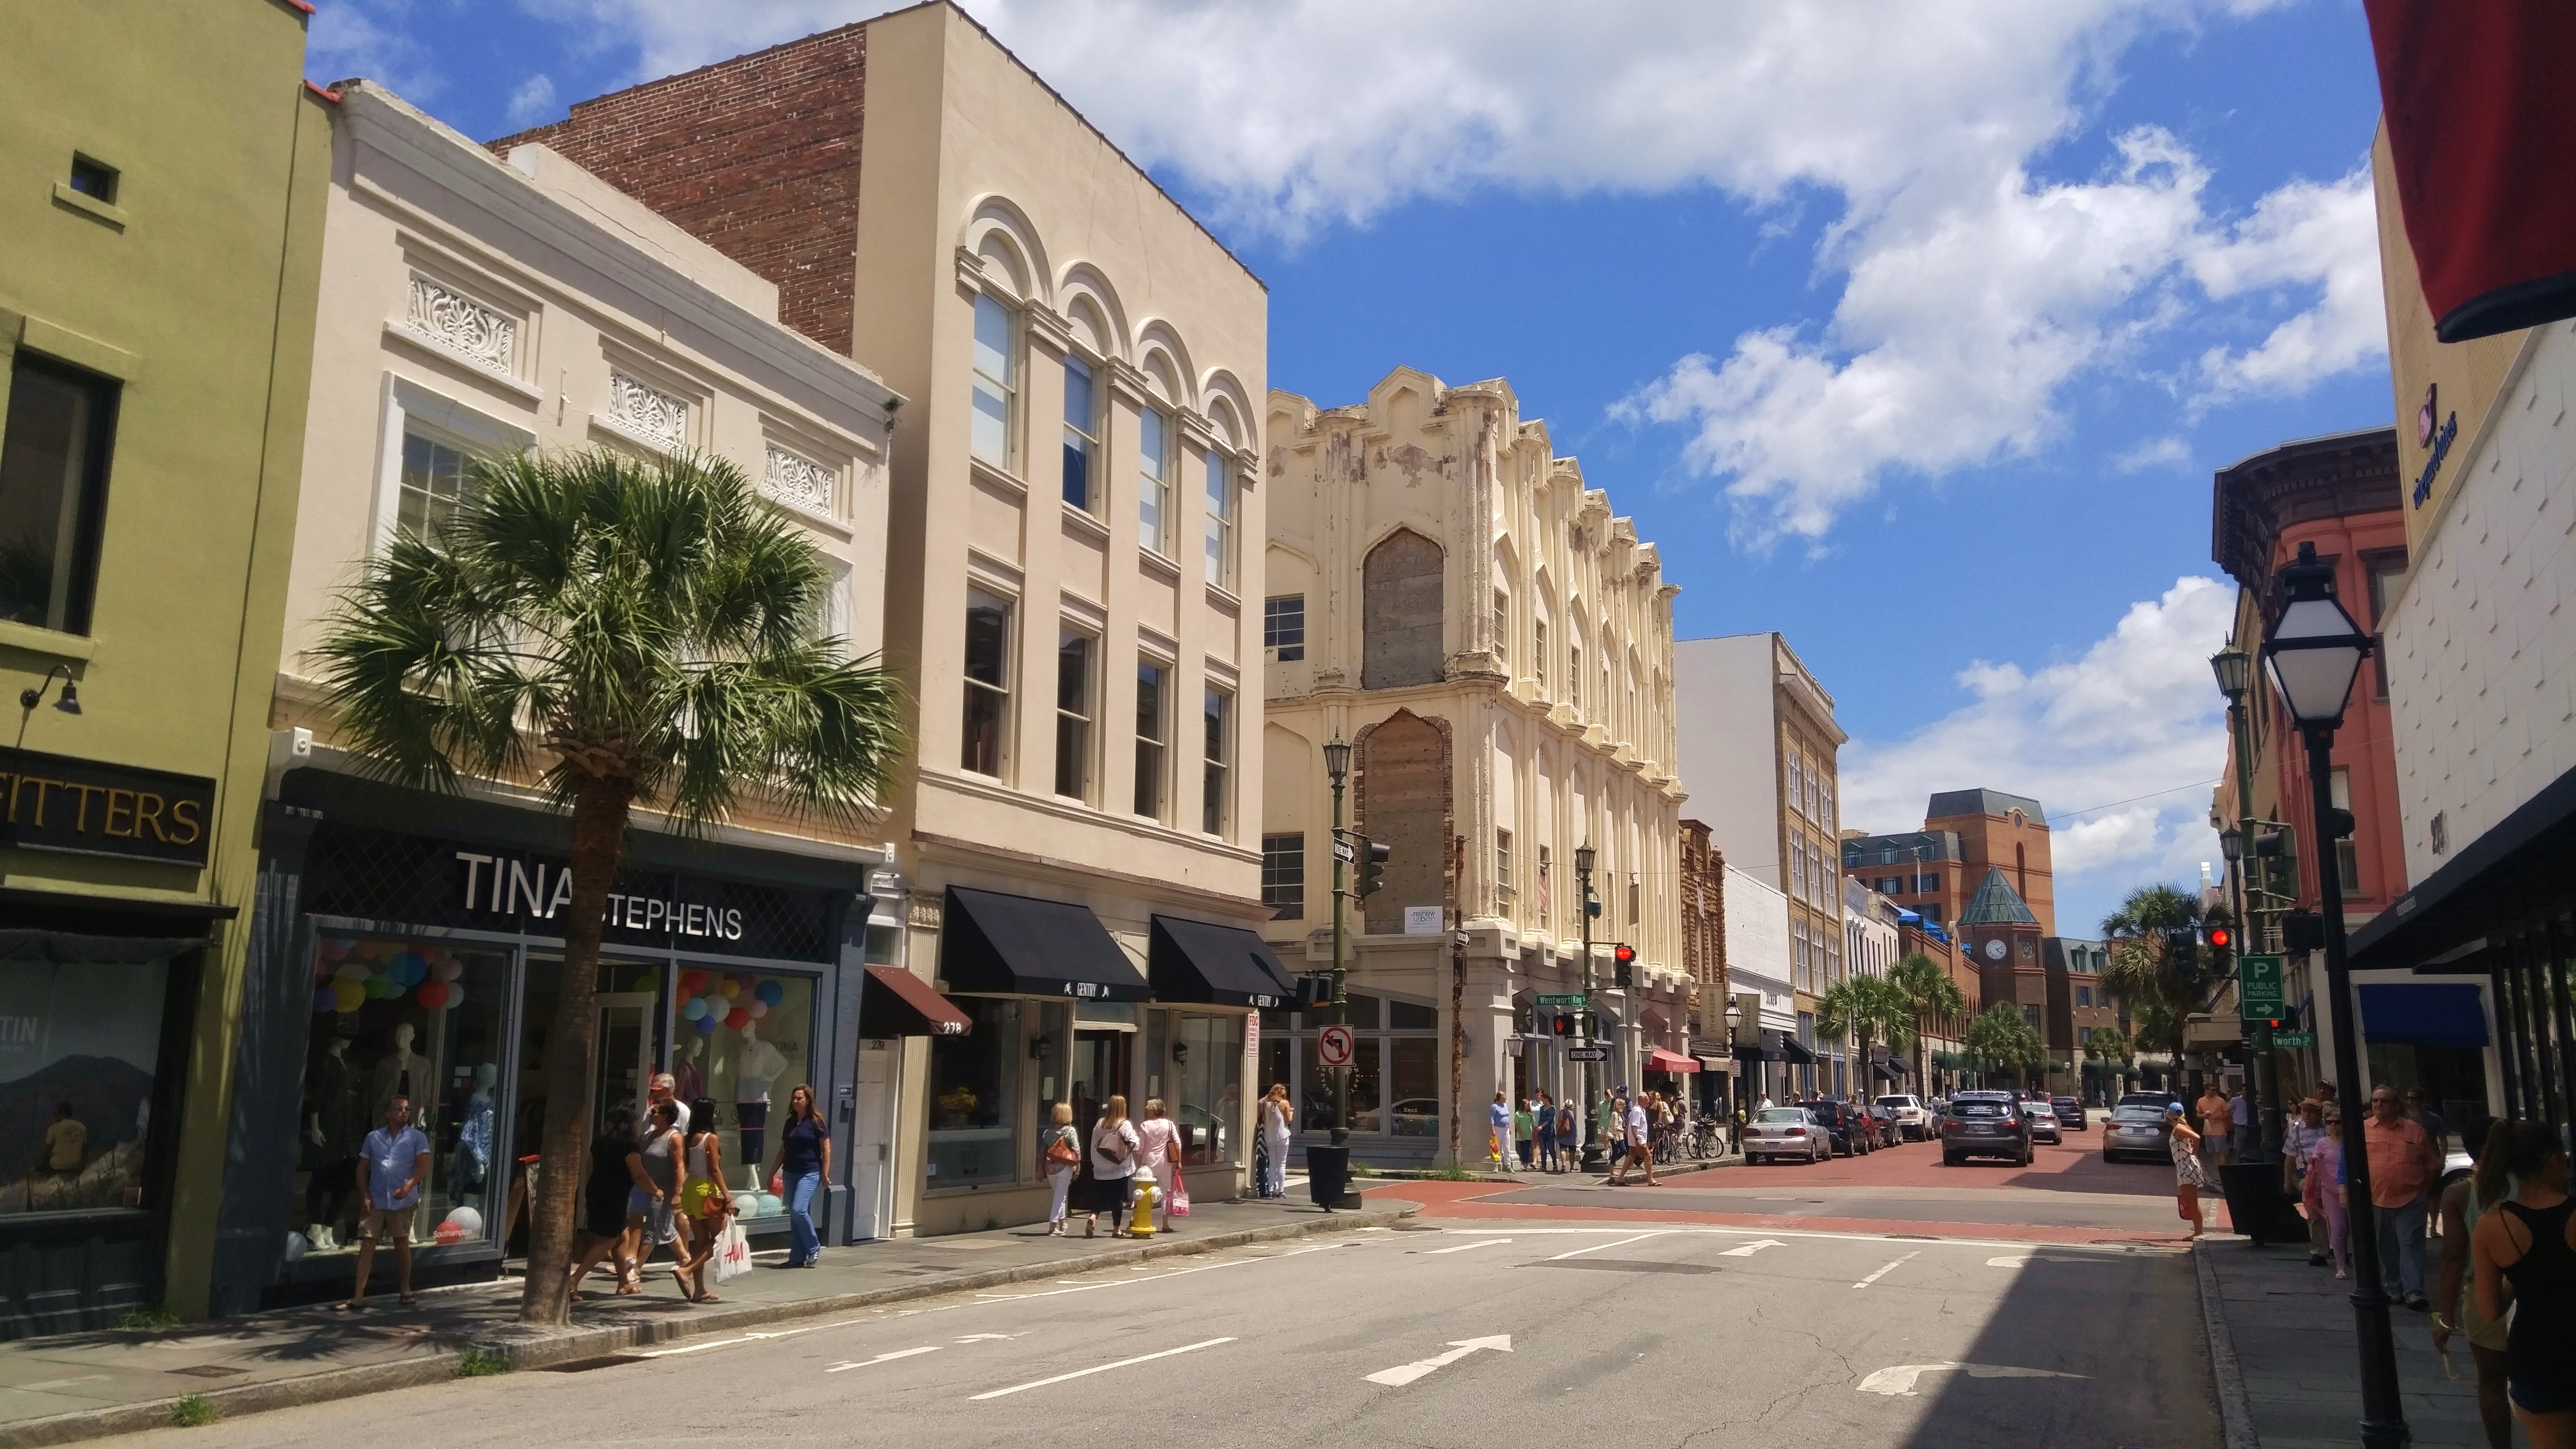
[[331, 1114], [403, 1072], [691, 1078], [474, 1140], [755, 1067]]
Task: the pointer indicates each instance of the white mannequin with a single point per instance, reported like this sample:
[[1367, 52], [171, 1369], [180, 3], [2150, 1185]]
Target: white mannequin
[[691, 1074], [403, 1062], [759, 1065]]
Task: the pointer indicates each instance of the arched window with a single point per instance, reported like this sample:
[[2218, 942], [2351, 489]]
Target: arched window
[[1400, 587]]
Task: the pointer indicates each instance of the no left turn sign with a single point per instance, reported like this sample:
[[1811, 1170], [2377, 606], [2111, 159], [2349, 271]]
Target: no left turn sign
[[1333, 1046]]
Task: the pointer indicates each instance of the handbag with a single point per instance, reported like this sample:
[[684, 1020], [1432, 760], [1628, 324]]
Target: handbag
[[1180, 1194], [1061, 1152], [733, 1253]]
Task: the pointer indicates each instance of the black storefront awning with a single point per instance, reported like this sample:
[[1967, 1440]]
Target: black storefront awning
[[1197, 961], [1004, 945], [1796, 1051], [69, 948], [896, 1003], [2514, 872], [1890, 1070]]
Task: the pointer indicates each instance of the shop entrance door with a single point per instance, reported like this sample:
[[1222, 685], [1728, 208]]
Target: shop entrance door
[[872, 1151], [624, 1075], [1098, 1072]]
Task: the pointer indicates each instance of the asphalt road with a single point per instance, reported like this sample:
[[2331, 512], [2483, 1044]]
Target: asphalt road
[[1556, 1333]]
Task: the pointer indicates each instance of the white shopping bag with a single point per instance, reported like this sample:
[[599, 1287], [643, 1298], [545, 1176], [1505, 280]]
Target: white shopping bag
[[733, 1253]]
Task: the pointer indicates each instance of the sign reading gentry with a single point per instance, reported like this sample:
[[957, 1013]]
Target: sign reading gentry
[[83, 807]]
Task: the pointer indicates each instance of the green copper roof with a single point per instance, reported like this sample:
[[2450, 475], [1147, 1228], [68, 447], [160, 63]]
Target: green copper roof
[[1996, 902]]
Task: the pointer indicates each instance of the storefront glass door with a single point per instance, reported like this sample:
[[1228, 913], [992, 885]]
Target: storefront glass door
[[624, 1073], [1097, 1073]]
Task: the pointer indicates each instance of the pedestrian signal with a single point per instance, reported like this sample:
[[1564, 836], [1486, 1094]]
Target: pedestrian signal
[[1373, 856]]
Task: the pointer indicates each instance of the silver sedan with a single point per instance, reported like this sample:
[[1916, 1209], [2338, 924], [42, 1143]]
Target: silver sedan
[[1781, 1134], [2135, 1131]]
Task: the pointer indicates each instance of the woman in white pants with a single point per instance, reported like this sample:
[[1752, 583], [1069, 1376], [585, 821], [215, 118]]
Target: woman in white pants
[[1059, 1157], [1276, 1117]]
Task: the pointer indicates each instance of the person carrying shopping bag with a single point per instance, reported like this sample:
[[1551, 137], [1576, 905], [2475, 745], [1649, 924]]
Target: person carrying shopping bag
[[703, 1199], [1113, 1166], [804, 1162], [1059, 1159], [1158, 1155]]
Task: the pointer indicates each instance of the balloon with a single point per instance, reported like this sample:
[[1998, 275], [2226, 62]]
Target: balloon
[[325, 999], [334, 950], [407, 968], [716, 1005], [737, 1018], [346, 995], [769, 1207], [692, 983], [731, 988], [448, 970], [367, 950], [433, 995], [693, 1010], [757, 1009], [706, 1024], [351, 970], [650, 983], [321, 969], [745, 1204], [455, 995], [770, 993], [459, 1225]]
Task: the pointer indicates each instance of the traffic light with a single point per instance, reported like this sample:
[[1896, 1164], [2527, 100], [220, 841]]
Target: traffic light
[[1623, 959], [1559, 1024], [2303, 931], [1592, 907], [2182, 948], [2220, 938], [1373, 855], [1314, 988]]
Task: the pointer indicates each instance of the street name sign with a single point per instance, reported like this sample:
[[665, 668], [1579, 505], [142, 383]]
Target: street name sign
[[2258, 987], [1550, 1003], [2287, 1040]]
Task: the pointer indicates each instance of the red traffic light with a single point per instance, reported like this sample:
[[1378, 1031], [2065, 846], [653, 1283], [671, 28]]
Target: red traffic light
[[2219, 937], [1623, 954]]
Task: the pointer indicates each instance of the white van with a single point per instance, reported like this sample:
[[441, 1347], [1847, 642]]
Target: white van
[[1913, 1119]]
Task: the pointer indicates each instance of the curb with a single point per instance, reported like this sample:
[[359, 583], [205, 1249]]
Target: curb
[[540, 1348], [2235, 1410]]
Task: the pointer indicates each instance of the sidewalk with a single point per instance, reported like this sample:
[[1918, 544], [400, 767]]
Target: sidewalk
[[85, 1385], [2287, 1328]]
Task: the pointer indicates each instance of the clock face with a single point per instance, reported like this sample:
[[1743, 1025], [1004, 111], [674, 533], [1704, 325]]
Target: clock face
[[1994, 950]]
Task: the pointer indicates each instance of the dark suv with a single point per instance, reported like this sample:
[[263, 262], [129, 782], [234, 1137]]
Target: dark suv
[[1985, 1124], [1843, 1122], [2070, 1113]]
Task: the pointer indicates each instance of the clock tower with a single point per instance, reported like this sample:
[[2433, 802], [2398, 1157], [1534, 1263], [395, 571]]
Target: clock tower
[[2002, 936]]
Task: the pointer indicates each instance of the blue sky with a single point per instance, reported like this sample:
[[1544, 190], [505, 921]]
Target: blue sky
[[1913, 332]]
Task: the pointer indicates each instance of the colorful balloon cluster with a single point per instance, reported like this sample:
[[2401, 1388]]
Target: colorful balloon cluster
[[712, 1000], [349, 974]]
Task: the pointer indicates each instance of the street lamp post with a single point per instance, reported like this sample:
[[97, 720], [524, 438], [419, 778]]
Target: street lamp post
[[1734, 1024], [2233, 668], [2312, 655], [1593, 1153], [1337, 763]]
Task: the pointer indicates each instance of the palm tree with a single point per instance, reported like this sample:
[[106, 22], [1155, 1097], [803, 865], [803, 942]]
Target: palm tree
[[1871, 1008], [2001, 1035], [626, 634], [1931, 995], [2106, 1045], [2161, 987]]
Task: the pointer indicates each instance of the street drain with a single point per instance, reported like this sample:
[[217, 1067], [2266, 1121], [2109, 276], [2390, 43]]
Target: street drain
[[585, 1365]]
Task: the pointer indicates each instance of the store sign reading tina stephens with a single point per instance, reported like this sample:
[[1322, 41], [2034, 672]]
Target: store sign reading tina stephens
[[502, 885], [84, 807]]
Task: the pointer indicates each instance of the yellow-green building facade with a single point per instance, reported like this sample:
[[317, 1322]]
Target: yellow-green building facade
[[162, 174]]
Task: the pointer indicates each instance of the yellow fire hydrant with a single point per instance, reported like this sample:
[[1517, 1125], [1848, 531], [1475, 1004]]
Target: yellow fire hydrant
[[1143, 1224]]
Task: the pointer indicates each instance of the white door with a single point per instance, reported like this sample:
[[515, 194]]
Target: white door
[[872, 1178], [625, 1054]]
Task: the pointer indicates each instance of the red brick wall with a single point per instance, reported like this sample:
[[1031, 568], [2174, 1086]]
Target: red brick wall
[[758, 156]]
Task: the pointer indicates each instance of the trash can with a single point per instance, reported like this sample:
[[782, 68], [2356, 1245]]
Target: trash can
[[1328, 1175], [2256, 1203]]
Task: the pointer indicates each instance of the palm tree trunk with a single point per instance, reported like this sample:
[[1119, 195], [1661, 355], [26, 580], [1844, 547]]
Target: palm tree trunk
[[598, 838]]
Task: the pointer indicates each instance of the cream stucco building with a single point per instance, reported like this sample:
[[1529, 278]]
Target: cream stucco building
[[1444, 593]]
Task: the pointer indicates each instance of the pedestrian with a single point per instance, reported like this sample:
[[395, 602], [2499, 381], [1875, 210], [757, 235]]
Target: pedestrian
[[1498, 1121], [1278, 1115], [2526, 1257], [602, 1233], [665, 1088], [1525, 1134], [2333, 1195], [1639, 1143], [1060, 1161], [2402, 1167], [1609, 1130], [2188, 1175], [653, 1164], [1158, 1155], [2240, 1109], [803, 1165], [392, 1164], [704, 1202], [1543, 1113], [2455, 1295], [2216, 1122], [2419, 1108], [2298, 1147], [1113, 1163], [1569, 1136]]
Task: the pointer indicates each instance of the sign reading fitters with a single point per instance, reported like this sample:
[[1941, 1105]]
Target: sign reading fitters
[[514, 889], [83, 807]]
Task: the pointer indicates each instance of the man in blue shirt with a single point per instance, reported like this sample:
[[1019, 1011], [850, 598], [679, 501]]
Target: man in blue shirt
[[392, 1165]]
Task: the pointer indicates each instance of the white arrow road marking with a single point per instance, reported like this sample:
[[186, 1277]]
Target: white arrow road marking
[[1749, 1249], [1099, 1369], [750, 1338], [1597, 1247], [986, 1338], [2009, 1262], [883, 1358], [1886, 1269], [1898, 1382], [1465, 1247], [1403, 1374]]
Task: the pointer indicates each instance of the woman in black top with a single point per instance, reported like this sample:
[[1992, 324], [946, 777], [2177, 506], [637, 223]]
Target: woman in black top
[[804, 1162], [2529, 1242], [603, 1204]]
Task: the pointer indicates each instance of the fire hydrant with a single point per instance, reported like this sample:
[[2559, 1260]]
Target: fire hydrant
[[1143, 1224]]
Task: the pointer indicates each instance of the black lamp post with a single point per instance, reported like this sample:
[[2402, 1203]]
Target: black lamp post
[[1337, 764], [2312, 654], [1734, 1024], [1593, 1154]]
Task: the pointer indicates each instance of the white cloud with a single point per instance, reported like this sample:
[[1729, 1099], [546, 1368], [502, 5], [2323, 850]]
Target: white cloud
[[2135, 712], [533, 101], [2305, 237], [2165, 452], [369, 38]]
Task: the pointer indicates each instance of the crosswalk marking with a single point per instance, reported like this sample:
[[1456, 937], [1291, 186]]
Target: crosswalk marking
[[1886, 1269]]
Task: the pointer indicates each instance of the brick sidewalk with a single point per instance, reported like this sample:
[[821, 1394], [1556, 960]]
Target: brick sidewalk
[[84, 1385]]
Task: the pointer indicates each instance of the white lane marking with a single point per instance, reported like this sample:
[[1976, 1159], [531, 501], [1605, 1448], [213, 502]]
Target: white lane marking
[[1402, 1374], [2009, 1262], [2024, 1244], [987, 1338], [1597, 1247], [883, 1358], [1886, 1269], [1466, 1247], [1098, 1369], [1749, 1249], [1075, 1286], [752, 1338], [1898, 1382]]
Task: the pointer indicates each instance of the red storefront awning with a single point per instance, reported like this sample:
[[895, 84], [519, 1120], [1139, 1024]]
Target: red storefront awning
[[1660, 1060]]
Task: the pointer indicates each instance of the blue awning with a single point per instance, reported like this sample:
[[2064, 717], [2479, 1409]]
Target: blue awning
[[2444, 1014]]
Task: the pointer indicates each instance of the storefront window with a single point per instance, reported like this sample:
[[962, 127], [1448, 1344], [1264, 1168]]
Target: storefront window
[[79, 1046], [1415, 1086], [413, 1018], [1209, 1074], [973, 1090], [742, 1040]]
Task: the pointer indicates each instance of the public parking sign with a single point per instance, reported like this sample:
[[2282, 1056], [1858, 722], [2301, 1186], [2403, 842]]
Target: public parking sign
[[2258, 987], [1333, 1046]]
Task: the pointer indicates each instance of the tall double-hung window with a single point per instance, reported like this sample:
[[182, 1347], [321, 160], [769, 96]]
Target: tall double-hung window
[[1220, 520], [1081, 435], [1154, 480], [997, 396]]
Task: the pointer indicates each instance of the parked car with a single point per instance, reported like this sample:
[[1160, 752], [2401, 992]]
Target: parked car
[[2070, 1113], [2137, 1129], [1913, 1119], [1851, 1137], [1884, 1123], [1985, 1124], [1781, 1134]]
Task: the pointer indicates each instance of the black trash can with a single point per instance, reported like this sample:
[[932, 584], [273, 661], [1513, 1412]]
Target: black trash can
[[2257, 1205], [1328, 1175]]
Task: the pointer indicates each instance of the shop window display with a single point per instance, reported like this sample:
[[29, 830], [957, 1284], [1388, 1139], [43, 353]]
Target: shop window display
[[740, 1039], [79, 1048], [973, 1088], [1209, 1072], [399, 1017]]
